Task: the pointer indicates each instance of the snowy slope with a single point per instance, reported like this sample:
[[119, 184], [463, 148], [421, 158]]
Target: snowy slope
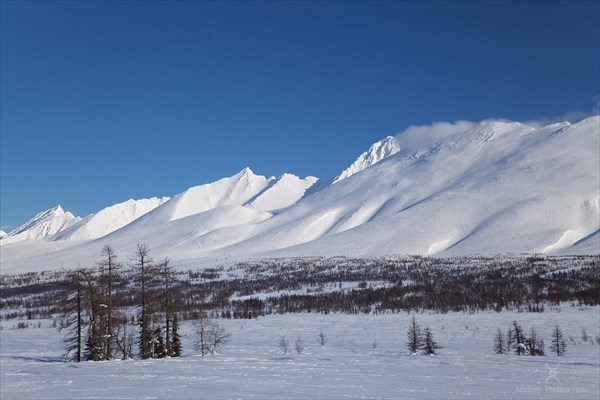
[[109, 219], [2, 234], [42, 225], [235, 190], [462, 188], [282, 193], [176, 223], [377, 152], [492, 187]]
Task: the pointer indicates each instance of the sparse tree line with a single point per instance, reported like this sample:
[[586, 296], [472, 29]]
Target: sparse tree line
[[97, 327], [133, 309], [284, 343], [520, 342], [325, 285], [420, 340], [103, 314]]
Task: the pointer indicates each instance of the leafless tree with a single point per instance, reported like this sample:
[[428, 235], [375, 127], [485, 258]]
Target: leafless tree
[[168, 277], [519, 337], [510, 338], [71, 319], [284, 345], [96, 326], [209, 335], [201, 342], [298, 345], [322, 339], [109, 268], [584, 336], [143, 268], [216, 336], [125, 339], [559, 344], [429, 346], [499, 343], [535, 344], [414, 336]]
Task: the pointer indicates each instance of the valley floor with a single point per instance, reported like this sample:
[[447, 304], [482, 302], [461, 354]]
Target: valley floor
[[252, 366]]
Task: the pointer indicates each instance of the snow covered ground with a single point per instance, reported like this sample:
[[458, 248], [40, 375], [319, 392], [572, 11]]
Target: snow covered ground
[[252, 366]]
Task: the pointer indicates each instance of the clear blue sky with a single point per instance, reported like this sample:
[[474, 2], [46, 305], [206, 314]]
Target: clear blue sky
[[106, 101]]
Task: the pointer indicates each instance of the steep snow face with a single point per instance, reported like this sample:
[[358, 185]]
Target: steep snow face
[[42, 225], [235, 190], [109, 219], [2, 234], [486, 188], [377, 152], [287, 190]]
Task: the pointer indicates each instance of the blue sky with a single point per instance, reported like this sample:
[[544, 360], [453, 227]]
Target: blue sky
[[106, 101]]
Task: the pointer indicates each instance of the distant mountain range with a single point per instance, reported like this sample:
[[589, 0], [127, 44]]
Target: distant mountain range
[[449, 189]]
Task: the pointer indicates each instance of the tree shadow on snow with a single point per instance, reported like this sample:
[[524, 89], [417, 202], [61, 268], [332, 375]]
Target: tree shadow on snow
[[38, 359]]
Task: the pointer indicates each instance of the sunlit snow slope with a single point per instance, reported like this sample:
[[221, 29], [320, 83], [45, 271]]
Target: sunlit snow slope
[[493, 188], [446, 189], [377, 152], [42, 225], [284, 192], [109, 219]]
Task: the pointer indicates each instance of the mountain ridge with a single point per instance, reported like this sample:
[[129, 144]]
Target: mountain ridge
[[42, 224], [377, 152], [450, 189]]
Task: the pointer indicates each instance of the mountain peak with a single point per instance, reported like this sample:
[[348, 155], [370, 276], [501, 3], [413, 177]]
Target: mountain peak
[[377, 152], [235, 190], [43, 224], [246, 172], [110, 219], [282, 192]]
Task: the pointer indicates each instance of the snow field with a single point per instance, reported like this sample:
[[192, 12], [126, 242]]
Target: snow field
[[251, 365]]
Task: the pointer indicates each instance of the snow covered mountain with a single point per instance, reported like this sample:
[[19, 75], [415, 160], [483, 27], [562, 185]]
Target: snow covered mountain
[[235, 190], [486, 188], [240, 201], [109, 219], [377, 152], [2, 234], [42, 225], [282, 193], [448, 189]]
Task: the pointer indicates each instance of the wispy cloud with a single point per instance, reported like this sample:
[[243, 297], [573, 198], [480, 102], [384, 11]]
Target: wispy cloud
[[570, 116], [418, 135], [596, 108]]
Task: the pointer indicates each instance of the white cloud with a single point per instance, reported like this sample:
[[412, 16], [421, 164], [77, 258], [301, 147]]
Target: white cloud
[[418, 135]]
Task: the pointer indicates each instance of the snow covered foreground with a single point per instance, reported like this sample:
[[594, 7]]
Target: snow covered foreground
[[251, 365]]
